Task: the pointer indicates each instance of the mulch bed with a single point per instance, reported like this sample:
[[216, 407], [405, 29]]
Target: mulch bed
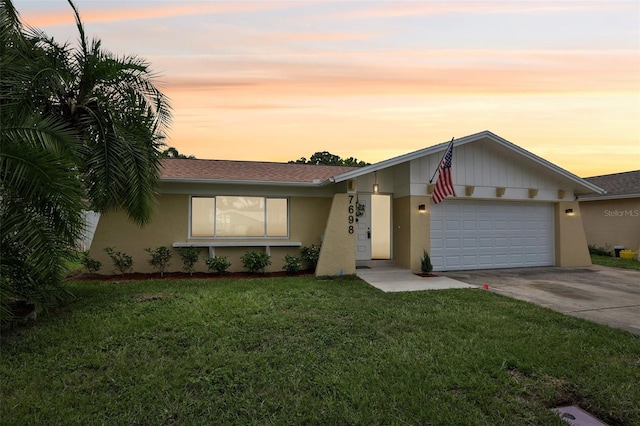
[[183, 276]]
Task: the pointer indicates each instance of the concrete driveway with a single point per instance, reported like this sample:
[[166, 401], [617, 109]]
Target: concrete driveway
[[598, 293]]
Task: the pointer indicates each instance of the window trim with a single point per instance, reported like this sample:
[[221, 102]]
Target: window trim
[[246, 238]]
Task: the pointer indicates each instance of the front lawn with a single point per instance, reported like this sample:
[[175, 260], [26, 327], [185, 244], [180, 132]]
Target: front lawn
[[303, 351], [615, 262]]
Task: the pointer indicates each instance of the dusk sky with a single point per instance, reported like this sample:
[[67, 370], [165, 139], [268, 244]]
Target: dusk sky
[[276, 81]]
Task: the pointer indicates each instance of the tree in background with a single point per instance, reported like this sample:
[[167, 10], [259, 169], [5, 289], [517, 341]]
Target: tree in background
[[81, 129], [328, 159], [172, 152]]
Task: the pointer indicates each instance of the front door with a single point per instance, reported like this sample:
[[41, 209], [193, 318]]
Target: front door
[[380, 226], [363, 230]]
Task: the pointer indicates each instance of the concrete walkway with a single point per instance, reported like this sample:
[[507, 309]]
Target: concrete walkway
[[390, 278]]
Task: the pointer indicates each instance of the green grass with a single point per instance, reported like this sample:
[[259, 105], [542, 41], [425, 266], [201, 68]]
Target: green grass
[[74, 266], [303, 351], [615, 262]]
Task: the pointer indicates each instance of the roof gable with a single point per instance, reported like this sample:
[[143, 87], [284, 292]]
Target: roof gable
[[580, 185]]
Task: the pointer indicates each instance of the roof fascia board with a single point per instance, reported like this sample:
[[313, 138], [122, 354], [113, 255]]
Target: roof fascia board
[[245, 182], [607, 197]]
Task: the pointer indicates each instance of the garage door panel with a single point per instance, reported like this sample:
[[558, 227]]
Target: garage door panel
[[485, 260], [485, 225], [531, 258], [469, 243], [452, 225], [515, 225], [501, 224], [452, 243], [516, 258], [481, 235], [469, 225], [437, 244], [501, 242], [485, 242], [452, 262]]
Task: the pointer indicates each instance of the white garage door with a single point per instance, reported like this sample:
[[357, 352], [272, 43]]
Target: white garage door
[[485, 235]]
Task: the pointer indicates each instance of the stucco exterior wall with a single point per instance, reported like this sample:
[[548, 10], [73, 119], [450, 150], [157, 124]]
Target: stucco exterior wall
[[609, 223], [338, 252], [401, 232], [570, 242], [411, 234], [170, 223], [420, 230], [308, 219]]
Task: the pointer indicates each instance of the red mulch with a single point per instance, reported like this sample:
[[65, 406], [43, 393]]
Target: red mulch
[[183, 276]]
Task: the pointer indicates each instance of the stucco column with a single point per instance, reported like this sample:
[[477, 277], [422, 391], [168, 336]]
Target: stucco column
[[570, 241], [420, 230], [411, 231], [338, 251]]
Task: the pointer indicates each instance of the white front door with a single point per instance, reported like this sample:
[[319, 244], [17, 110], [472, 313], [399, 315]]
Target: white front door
[[363, 228]]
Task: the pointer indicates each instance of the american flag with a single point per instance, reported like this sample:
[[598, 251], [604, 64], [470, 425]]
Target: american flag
[[444, 184]]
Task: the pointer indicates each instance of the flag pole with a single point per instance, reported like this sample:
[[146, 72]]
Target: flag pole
[[438, 168]]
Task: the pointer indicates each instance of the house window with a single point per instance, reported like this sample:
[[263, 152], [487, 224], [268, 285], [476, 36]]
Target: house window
[[202, 214], [228, 216]]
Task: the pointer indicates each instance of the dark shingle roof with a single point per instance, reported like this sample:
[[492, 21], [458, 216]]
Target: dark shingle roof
[[250, 171], [618, 184]]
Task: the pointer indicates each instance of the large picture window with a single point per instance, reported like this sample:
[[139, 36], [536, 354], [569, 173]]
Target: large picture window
[[228, 216]]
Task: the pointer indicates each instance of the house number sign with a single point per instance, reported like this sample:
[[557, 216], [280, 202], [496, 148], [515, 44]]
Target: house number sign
[[351, 210]]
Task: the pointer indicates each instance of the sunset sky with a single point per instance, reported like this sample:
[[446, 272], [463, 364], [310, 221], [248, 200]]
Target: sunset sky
[[276, 81]]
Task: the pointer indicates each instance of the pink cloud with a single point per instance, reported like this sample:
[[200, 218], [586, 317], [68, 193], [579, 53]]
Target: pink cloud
[[150, 11], [418, 8], [433, 72]]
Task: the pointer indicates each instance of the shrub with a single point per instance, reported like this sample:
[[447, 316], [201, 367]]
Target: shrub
[[255, 261], [292, 264], [310, 255], [160, 258], [218, 264], [91, 264], [121, 261], [601, 251], [425, 263], [189, 256]]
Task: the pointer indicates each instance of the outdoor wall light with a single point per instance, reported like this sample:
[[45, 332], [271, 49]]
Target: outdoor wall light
[[376, 187], [422, 208], [569, 212]]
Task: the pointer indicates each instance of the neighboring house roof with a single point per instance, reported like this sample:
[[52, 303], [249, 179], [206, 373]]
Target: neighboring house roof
[[617, 185], [225, 171], [581, 183]]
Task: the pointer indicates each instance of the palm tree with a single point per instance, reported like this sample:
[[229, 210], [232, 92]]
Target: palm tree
[[80, 128], [121, 116]]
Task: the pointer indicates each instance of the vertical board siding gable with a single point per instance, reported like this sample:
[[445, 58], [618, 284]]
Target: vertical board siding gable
[[484, 164]]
